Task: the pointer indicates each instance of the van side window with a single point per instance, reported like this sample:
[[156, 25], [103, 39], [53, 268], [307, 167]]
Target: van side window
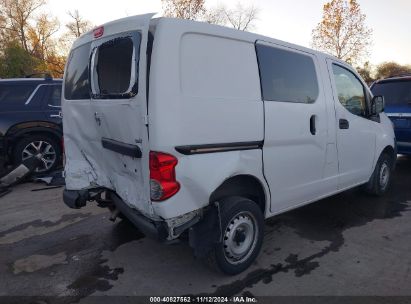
[[76, 84], [287, 75], [350, 91], [114, 68]]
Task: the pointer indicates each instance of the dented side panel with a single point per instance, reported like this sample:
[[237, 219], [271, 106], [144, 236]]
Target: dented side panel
[[201, 174]]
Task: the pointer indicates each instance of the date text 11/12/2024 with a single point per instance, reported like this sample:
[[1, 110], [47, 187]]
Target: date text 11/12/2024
[[203, 299]]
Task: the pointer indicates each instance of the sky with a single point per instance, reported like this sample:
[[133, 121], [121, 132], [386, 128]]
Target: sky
[[289, 20]]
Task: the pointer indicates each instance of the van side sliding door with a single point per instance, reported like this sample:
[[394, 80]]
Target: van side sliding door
[[295, 140]]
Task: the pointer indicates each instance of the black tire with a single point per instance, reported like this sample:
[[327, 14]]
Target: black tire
[[237, 211], [23, 143], [381, 178]]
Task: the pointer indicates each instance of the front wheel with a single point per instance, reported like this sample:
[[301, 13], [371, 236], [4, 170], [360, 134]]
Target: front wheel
[[242, 235], [381, 177]]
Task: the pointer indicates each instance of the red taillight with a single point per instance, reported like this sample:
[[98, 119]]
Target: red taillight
[[98, 32], [163, 183]]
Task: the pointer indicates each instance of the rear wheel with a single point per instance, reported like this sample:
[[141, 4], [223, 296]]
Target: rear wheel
[[242, 235], [381, 177], [32, 145]]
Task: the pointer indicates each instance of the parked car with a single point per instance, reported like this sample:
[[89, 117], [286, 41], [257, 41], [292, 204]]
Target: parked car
[[30, 121], [200, 132], [397, 94]]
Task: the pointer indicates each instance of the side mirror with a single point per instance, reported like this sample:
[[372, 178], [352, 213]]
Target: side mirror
[[377, 105]]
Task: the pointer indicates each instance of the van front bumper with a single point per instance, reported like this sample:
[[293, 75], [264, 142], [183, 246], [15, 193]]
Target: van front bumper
[[154, 229]]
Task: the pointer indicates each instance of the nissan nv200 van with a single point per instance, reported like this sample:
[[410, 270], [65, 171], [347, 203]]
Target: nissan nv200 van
[[199, 132]]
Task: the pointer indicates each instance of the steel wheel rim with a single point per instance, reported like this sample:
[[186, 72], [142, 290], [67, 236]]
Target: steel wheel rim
[[44, 150], [384, 175], [240, 238]]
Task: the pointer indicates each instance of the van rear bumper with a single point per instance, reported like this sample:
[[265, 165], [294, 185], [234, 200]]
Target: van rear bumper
[[154, 229]]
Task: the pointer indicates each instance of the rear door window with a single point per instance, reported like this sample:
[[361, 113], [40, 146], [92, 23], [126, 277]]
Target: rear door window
[[15, 94], [115, 71], [396, 93], [77, 84]]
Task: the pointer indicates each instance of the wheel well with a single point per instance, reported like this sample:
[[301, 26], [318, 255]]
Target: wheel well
[[390, 152], [241, 185]]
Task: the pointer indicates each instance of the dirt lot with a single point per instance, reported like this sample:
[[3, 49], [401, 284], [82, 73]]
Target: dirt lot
[[349, 244]]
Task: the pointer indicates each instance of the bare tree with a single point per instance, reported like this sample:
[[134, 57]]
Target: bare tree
[[16, 15], [79, 25], [342, 31], [216, 15], [241, 17], [184, 9], [41, 34], [366, 72]]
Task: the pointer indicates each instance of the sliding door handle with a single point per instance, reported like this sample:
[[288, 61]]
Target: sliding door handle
[[344, 124], [313, 129]]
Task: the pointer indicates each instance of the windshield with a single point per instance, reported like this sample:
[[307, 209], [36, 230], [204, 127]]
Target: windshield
[[396, 93]]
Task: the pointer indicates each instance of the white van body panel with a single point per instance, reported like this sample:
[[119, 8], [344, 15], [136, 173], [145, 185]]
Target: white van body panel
[[201, 96], [200, 175], [208, 94]]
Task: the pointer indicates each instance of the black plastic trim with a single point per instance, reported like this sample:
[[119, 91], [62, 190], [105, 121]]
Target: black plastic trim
[[152, 229], [122, 148], [217, 148]]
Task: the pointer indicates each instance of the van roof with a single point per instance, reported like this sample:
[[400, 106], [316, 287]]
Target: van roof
[[202, 26]]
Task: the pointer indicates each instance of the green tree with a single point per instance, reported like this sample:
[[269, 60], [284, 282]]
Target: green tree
[[17, 62]]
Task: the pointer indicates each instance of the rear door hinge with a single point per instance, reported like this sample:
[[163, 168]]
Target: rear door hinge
[[145, 120]]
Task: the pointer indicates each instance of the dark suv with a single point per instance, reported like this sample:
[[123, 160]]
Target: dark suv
[[30, 121], [397, 94]]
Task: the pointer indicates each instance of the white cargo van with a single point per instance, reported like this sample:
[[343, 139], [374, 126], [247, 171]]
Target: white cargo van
[[199, 132]]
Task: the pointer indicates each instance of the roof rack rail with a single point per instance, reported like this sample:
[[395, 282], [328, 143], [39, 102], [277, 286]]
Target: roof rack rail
[[399, 75], [47, 76]]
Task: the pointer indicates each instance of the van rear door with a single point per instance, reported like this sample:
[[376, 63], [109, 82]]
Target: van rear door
[[110, 129]]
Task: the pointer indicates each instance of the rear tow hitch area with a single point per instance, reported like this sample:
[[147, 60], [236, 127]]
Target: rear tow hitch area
[[77, 199]]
